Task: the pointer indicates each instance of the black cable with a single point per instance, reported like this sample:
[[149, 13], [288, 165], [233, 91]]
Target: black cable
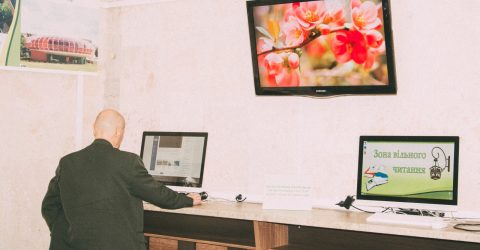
[[348, 202], [387, 208], [370, 212], [461, 226]]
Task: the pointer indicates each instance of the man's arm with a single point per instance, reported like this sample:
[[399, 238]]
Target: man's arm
[[51, 205], [143, 186]]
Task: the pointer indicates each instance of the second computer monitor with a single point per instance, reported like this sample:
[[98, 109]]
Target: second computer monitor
[[175, 158], [410, 171]]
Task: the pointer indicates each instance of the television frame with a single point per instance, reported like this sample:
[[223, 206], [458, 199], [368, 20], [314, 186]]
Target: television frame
[[405, 201], [183, 134], [324, 91]]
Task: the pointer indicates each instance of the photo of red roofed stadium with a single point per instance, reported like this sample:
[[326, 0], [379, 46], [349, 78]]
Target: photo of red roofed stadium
[[60, 35], [54, 49]]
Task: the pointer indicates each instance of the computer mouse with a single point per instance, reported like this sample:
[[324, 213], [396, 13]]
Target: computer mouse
[[203, 195]]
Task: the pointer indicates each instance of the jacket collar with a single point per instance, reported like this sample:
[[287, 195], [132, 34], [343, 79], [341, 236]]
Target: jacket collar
[[102, 142]]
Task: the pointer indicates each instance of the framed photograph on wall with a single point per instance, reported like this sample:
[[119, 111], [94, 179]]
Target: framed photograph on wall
[[50, 34]]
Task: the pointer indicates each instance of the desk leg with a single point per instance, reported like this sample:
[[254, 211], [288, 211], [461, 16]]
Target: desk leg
[[268, 235]]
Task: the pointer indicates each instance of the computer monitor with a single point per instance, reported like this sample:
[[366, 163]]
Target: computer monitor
[[408, 171], [175, 159]]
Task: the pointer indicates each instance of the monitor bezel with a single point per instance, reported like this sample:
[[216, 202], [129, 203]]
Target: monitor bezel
[[183, 134], [453, 139], [319, 91]]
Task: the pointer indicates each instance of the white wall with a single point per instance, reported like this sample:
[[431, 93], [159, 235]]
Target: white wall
[[40, 123], [185, 65]]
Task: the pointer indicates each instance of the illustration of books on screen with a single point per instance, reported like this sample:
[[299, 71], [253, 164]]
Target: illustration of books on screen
[[376, 176]]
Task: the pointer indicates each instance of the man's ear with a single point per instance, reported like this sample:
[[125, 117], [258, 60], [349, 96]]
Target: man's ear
[[118, 132]]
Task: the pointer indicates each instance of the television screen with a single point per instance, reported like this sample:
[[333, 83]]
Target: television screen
[[327, 47], [175, 158], [408, 169]]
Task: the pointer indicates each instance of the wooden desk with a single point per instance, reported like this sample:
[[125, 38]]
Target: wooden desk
[[227, 225]]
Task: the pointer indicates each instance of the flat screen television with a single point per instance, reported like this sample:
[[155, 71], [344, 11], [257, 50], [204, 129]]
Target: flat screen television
[[175, 159], [408, 171], [321, 48]]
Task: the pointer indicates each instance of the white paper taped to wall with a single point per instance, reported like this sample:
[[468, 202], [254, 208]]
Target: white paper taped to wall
[[290, 192]]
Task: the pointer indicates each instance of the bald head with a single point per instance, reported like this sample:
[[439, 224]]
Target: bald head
[[109, 126]]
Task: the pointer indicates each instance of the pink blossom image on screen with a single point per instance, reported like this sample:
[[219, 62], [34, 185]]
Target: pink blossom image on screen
[[321, 43]]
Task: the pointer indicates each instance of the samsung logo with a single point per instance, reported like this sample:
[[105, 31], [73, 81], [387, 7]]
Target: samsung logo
[[320, 91]]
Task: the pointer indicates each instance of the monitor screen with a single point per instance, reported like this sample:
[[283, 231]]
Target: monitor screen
[[414, 169], [175, 158], [323, 47]]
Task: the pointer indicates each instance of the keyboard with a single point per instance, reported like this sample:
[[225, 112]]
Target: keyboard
[[407, 220]]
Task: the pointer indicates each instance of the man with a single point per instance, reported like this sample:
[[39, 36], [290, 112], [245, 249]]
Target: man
[[95, 199]]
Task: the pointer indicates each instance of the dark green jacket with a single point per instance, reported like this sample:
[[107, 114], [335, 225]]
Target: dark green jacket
[[95, 200]]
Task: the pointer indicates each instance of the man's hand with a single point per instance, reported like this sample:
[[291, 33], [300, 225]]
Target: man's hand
[[197, 200]]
